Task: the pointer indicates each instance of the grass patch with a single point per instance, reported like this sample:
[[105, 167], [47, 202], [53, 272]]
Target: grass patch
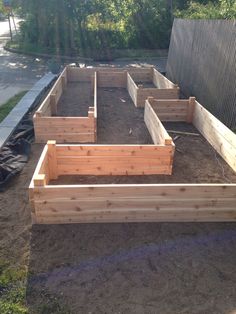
[[9, 105], [12, 289]]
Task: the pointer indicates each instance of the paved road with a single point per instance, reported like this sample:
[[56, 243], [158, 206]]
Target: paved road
[[17, 72]]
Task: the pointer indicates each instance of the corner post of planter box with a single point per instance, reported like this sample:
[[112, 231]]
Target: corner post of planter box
[[168, 140], [39, 180], [190, 109], [150, 99], [52, 160], [38, 114], [53, 104]]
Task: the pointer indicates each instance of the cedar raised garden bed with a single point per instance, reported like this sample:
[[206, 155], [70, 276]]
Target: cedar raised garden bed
[[80, 203], [76, 129], [47, 125], [161, 87]]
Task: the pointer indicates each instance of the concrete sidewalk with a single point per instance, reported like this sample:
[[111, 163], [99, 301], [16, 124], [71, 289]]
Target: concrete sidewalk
[[17, 72]]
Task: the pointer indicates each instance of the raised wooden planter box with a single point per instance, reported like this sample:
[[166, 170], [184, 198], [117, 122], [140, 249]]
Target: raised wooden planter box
[[58, 160], [133, 202], [163, 88], [174, 110], [47, 125]]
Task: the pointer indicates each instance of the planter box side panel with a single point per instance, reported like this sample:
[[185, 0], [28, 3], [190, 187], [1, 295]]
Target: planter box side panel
[[112, 79], [155, 127], [160, 81], [108, 160], [216, 133], [132, 89], [65, 129], [144, 93], [175, 110], [141, 75], [133, 203]]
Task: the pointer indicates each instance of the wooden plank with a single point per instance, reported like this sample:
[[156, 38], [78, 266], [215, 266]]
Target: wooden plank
[[64, 78], [76, 74], [53, 104], [113, 150], [65, 121], [138, 203], [39, 180], [88, 207], [144, 93], [132, 88], [225, 217], [67, 137], [134, 166], [180, 103], [141, 75], [137, 191], [156, 129], [57, 89], [160, 81], [112, 79], [65, 129], [52, 160], [45, 109], [127, 218], [114, 159], [217, 134], [171, 110], [87, 163]]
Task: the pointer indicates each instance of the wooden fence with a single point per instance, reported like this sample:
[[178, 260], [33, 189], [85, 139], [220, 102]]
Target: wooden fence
[[202, 61]]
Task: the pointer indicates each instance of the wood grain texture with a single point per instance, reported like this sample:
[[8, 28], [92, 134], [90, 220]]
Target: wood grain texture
[[176, 110], [135, 203], [114, 160], [132, 89], [155, 127], [217, 134], [144, 93], [65, 129], [112, 79]]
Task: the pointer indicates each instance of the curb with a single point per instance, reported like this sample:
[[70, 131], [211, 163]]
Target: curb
[[46, 56]]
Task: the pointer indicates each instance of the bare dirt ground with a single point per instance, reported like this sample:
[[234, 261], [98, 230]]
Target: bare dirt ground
[[125, 268], [75, 100], [119, 121]]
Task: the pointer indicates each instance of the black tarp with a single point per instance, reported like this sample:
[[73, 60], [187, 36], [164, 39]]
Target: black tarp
[[16, 151]]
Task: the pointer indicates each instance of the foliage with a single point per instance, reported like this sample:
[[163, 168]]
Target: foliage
[[94, 28], [1, 7], [222, 9]]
